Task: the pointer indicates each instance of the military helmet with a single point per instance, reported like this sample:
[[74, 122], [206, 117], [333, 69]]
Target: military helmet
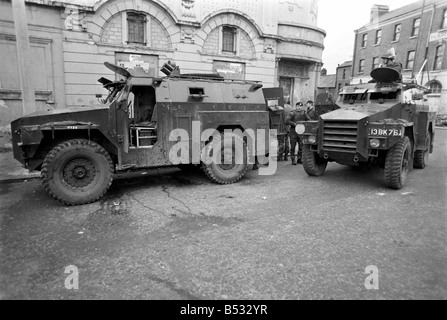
[[390, 54]]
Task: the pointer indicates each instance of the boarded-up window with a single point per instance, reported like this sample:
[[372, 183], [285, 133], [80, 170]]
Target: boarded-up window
[[136, 24], [229, 39], [230, 70]]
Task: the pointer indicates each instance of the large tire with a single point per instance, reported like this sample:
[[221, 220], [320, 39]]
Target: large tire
[[421, 156], [397, 164], [77, 172], [313, 164], [221, 148]]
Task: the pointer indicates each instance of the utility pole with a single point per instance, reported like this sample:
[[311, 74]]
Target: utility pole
[[418, 41], [23, 56]]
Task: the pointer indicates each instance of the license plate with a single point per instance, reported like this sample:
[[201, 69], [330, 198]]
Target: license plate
[[385, 132]]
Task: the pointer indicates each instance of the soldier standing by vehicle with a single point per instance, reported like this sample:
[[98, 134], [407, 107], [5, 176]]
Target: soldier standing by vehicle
[[311, 110], [297, 115]]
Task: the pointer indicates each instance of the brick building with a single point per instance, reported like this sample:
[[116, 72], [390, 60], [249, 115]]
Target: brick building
[[70, 40], [343, 75], [417, 32], [327, 84]]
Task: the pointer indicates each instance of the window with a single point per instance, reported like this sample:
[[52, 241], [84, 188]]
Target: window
[[364, 40], [410, 60], [375, 63], [378, 36], [339, 86], [435, 87], [416, 25], [444, 20], [438, 57], [361, 66], [136, 24], [344, 74], [396, 35], [229, 39]]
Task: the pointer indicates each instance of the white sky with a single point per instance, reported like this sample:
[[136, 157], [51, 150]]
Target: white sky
[[339, 18]]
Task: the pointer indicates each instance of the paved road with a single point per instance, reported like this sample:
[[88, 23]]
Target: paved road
[[174, 235]]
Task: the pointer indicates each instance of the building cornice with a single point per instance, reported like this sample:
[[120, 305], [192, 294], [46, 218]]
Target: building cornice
[[301, 25]]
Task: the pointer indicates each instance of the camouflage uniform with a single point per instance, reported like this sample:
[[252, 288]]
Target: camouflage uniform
[[291, 120]]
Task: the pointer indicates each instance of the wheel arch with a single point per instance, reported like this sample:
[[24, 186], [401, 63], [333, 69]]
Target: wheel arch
[[52, 138]]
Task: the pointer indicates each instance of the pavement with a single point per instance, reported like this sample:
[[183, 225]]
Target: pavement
[[13, 170]]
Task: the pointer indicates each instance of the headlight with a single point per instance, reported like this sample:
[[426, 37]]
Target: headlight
[[374, 143], [312, 139], [300, 128]]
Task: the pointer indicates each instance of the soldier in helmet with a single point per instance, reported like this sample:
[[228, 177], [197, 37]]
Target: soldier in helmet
[[299, 114], [389, 61]]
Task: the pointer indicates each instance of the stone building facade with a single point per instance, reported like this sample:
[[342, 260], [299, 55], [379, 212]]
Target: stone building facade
[[418, 34], [273, 41]]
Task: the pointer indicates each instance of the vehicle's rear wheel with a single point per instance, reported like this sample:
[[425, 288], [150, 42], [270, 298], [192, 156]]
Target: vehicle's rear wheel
[[397, 164], [77, 171], [313, 164], [226, 158], [421, 156]]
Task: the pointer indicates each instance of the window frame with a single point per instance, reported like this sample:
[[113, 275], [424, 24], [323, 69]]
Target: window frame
[[225, 30], [413, 54], [375, 65], [131, 16], [444, 20], [378, 39], [397, 32], [439, 56], [361, 66], [416, 28], [438, 84], [364, 40]]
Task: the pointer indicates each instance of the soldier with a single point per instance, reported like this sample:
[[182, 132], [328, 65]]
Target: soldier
[[311, 110], [388, 61], [284, 152], [297, 115]]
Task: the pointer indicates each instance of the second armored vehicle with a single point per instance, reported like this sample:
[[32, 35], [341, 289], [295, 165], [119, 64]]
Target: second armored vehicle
[[384, 122]]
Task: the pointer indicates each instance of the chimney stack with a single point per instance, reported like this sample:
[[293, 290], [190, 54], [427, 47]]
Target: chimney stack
[[378, 10]]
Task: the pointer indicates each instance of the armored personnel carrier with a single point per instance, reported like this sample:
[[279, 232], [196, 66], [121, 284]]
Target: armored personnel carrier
[[385, 122], [144, 122]]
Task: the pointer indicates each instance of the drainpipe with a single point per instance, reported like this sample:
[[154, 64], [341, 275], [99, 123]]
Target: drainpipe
[[23, 56]]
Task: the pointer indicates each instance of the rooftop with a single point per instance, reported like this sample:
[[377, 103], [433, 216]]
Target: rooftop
[[397, 13]]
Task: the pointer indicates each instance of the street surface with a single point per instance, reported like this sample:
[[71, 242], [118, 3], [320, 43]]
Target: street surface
[[176, 235]]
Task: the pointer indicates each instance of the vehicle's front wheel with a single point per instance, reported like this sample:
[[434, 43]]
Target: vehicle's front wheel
[[313, 164], [397, 164], [421, 156], [77, 171], [226, 158]]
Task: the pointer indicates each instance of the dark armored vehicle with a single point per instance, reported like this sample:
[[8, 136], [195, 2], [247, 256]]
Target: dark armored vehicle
[[144, 122], [384, 122]]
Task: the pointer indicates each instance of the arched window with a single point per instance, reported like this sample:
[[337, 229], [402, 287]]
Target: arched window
[[229, 39], [136, 27], [435, 86]]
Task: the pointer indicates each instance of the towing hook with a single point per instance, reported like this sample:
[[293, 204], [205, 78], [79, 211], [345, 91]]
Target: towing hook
[[326, 156], [356, 159]]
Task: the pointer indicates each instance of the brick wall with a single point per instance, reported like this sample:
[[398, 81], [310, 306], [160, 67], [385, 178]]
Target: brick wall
[[246, 46], [211, 45], [112, 32], [159, 36]]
